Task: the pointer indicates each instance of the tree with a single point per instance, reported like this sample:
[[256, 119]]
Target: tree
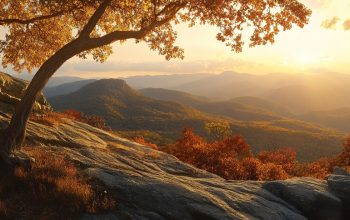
[[343, 159], [44, 34], [218, 130]]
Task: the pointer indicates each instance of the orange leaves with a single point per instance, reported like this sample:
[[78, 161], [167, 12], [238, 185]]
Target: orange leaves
[[55, 118], [284, 157], [53, 189], [344, 158], [49, 25], [52, 119], [142, 141], [231, 158]]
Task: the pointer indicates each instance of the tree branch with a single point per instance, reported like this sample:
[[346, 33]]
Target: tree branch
[[124, 35], [89, 27], [31, 20]]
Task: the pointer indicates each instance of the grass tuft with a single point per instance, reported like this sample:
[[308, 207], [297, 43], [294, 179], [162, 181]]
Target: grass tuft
[[53, 189]]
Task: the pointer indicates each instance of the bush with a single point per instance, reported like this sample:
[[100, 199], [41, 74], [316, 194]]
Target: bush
[[142, 141], [231, 158], [55, 119], [343, 159], [53, 189]]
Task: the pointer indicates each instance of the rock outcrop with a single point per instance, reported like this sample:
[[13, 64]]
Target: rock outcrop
[[150, 184], [308, 195], [339, 185], [11, 92]]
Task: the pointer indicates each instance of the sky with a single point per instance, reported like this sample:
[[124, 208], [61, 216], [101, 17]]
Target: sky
[[321, 46]]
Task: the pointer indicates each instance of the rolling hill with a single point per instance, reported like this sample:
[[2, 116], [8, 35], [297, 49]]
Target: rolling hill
[[264, 104], [128, 110], [66, 88], [337, 119], [167, 81], [299, 93], [242, 108]]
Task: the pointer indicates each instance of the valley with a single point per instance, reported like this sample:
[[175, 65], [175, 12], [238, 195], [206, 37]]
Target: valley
[[163, 113]]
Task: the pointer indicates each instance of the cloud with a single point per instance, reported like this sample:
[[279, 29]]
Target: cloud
[[346, 25], [87, 68], [316, 3], [330, 23]]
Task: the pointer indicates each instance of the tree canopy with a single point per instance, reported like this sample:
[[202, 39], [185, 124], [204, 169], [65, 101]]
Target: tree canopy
[[37, 29]]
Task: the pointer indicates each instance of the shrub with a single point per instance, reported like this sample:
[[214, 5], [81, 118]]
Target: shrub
[[285, 157], [223, 157], [231, 158], [53, 189], [343, 159], [55, 119], [50, 118], [142, 141]]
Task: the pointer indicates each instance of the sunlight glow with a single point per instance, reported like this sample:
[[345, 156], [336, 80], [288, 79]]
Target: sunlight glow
[[306, 58]]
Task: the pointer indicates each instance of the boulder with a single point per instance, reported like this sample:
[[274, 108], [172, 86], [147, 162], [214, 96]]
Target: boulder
[[340, 186], [308, 195], [11, 92], [340, 171]]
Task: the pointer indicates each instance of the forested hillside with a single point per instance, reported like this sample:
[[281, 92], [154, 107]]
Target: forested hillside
[[129, 112]]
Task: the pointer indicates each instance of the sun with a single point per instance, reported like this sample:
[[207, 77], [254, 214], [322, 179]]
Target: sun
[[305, 58]]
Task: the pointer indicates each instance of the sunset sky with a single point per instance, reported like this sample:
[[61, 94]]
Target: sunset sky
[[322, 46]]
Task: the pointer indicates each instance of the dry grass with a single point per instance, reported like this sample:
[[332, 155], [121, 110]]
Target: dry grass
[[153, 155], [53, 189], [52, 119]]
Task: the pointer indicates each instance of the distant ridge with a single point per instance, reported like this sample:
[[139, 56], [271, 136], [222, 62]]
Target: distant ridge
[[299, 93], [66, 88], [242, 108], [126, 109]]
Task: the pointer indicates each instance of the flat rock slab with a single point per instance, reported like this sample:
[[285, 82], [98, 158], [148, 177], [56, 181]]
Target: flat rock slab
[[340, 186], [308, 195], [152, 185]]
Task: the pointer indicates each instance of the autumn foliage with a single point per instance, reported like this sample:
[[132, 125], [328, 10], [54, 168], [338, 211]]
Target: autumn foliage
[[231, 158], [56, 118], [141, 140], [343, 159], [52, 189]]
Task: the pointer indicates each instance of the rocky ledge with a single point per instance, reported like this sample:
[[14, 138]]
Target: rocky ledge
[[11, 92], [149, 184]]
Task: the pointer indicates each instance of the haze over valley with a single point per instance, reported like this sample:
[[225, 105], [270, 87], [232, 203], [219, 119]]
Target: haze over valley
[[270, 111]]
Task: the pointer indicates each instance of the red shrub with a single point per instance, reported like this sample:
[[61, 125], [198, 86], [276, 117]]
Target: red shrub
[[343, 159], [142, 141], [231, 158], [285, 157], [52, 189], [55, 119], [272, 171]]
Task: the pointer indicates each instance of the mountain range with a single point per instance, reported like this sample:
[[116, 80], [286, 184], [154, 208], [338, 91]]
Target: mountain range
[[308, 97], [264, 124], [127, 109], [299, 93]]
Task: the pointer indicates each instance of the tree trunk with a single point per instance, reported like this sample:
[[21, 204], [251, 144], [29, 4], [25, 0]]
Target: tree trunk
[[13, 137]]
